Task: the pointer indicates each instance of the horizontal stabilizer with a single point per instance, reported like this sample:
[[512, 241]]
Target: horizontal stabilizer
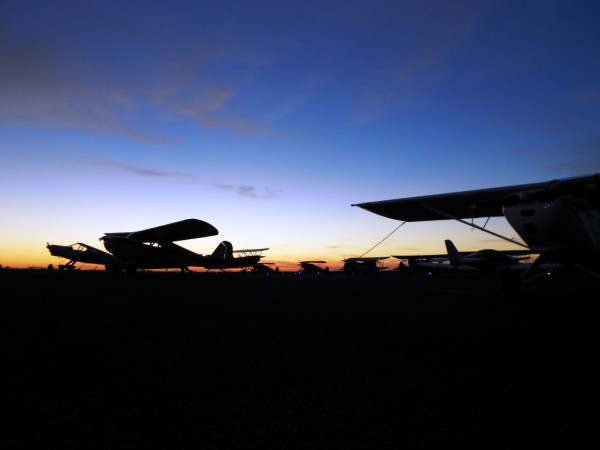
[[251, 250]]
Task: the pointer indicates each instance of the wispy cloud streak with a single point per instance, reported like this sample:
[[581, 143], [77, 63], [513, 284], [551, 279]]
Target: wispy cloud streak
[[147, 172], [244, 190], [250, 191]]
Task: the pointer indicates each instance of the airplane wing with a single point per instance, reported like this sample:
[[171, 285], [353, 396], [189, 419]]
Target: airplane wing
[[367, 258], [422, 257], [518, 252], [176, 231], [250, 250], [468, 204], [316, 262]]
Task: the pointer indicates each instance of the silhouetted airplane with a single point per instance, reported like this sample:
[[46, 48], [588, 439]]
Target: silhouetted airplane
[[154, 248], [312, 267], [486, 259], [559, 219], [224, 257], [85, 254], [481, 261], [264, 268], [367, 265]]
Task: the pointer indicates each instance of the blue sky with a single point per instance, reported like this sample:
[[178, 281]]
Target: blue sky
[[268, 119]]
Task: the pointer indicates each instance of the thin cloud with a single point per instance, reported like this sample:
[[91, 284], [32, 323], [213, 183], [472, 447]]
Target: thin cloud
[[256, 192], [205, 104], [250, 191], [195, 103], [143, 171], [38, 89]]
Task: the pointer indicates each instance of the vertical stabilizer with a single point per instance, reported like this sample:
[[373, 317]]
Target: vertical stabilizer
[[223, 251], [453, 254]]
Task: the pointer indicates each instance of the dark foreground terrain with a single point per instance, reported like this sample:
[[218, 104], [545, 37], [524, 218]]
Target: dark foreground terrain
[[231, 360]]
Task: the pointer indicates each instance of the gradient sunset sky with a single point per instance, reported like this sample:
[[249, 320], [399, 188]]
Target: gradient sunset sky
[[269, 119]]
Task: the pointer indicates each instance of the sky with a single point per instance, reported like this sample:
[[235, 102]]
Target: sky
[[269, 119]]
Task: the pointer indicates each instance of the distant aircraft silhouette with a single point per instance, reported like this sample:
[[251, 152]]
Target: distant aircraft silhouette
[[264, 268], [224, 257], [312, 268], [364, 265], [481, 261]]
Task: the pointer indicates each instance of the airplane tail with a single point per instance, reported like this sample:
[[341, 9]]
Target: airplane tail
[[453, 254], [223, 251]]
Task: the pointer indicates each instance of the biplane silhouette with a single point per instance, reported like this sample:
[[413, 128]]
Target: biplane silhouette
[[364, 265], [312, 268], [225, 257]]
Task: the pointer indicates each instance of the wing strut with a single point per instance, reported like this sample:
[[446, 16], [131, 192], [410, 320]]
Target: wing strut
[[396, 229], [474, 226]]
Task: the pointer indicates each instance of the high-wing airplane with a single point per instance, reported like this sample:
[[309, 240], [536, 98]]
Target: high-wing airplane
[[312, 267], [84, 254], [371, 264], [481, 261], [558, 219], [155, 248]]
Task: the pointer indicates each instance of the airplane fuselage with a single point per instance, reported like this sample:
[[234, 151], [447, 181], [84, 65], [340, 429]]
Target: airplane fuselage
[[240, 262], [146, 256], [566, 224], [140, 255], [486, 259]]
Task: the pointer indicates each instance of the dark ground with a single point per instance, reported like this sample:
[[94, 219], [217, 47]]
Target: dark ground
[[231, 360]]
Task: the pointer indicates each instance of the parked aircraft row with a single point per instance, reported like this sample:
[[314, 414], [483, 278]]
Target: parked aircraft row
[[155, 248], [558, 220], [481, 261], [356, 265]]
